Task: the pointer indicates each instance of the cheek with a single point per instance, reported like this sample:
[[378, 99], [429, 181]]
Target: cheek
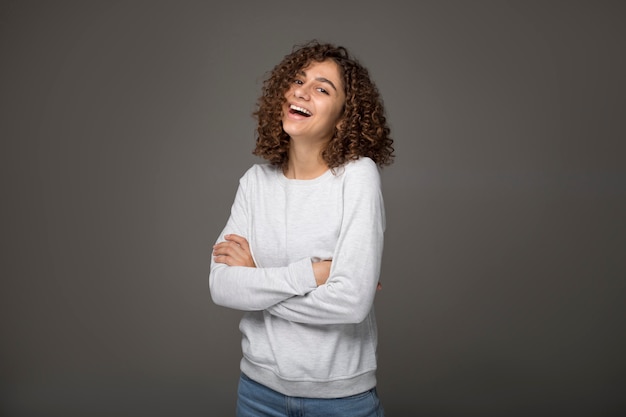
[[339, 113]]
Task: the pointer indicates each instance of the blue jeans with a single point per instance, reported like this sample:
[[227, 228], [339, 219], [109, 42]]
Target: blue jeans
[[256, 400]]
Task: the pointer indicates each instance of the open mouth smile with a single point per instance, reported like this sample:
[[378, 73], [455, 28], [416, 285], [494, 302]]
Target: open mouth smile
[[293, 109]]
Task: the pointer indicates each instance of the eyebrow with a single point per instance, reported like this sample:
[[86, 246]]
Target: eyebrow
[[322, 79]]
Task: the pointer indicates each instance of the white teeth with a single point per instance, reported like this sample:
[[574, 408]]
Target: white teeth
[[300, 109]]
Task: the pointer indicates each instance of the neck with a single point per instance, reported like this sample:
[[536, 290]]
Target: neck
[[305, 162]]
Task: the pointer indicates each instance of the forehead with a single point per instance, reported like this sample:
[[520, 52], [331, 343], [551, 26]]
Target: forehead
[[328, 69]]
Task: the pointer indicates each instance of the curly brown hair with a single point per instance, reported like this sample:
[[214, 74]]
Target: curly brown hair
[[363, 130]]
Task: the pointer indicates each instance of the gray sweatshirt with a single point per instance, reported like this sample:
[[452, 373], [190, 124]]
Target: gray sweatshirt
[[297, 338]]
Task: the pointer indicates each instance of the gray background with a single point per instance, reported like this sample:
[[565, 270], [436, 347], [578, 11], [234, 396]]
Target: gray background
[[125, 127]]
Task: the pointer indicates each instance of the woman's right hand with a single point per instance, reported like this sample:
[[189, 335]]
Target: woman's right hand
[[321, 270]]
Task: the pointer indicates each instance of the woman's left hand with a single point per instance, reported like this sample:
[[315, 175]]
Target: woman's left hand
[[235, 251]]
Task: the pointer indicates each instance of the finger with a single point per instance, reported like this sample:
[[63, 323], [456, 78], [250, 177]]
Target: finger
[[241, 246], [227, 249], [240, 240], [234, 250], [223, 259], [233, 260], [232, 254]]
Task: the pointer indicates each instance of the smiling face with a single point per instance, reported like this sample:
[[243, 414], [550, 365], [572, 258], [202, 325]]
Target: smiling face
[[314, 102]]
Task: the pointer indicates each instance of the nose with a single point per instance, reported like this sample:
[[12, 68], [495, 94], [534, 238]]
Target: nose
[[300, 91]]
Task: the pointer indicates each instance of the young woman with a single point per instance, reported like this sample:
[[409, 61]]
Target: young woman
[[301, 251]]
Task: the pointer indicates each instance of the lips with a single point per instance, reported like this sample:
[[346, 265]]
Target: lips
[[293, 109]]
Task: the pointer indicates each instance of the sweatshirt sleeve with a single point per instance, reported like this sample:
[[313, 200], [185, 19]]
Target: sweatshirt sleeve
[[250, 289], [348, 294]]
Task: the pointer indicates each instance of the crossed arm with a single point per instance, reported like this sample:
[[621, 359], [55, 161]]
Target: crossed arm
[[306, 291], [235, 251]]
